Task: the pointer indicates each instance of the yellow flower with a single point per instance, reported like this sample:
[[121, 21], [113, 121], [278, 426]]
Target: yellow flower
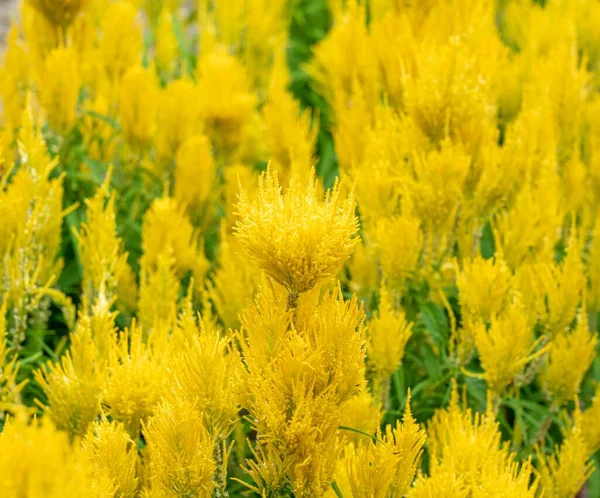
[[570, 356], [505, 348], [104, 261], [138, 107], [226, 103], [590, 429], [386, 468], [177, 116], [234, 282], [399, 243], [59, 89], [113, 455], [364, 414], [73, 386], [166, 43], [564, 472], [121, 42], [195, 173], [180, 450], [38, 462], [467, 449], [484, 287], [388, 334], [296, 238], [137, 378], [166, 227]]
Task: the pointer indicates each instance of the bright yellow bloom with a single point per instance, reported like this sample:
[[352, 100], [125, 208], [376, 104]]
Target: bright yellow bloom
[[39, 462], [121, 42], [234, 282], [166, 43], [505, 348], [467, 449], [136, 382], [226, 103], [104, 261], [167, 228], [113, 455], [387, 468], [195, 174], [564, 472], [388, 334], [59, 89], [399, 243], [180, 450], [296, 238], [484, 287], [177, 116], [590, 429], [138, 105], [364, 414], [570, 356], [73, 386]]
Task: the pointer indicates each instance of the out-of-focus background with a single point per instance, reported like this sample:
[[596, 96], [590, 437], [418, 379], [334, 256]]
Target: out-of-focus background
[[8, 10]]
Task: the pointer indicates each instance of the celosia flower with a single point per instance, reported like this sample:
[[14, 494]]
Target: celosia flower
[[180, 450], [296, 238], [570, 356], [505, 348], [114, 458], [564, 472], [195, 173], [38, 461], [484, 288], [59, 89], [121, 41], [388, 333], [73, 386], [138, 105], [386, 468]]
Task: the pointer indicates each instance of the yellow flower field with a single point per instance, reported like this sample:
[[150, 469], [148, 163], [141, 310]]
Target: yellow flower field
[[300, 248]]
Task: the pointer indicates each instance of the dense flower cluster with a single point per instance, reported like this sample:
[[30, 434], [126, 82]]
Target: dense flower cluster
[[303, 248]]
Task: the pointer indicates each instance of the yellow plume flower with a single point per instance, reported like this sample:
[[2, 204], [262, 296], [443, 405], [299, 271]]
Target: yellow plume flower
[[121, 42], [363, 413], [505, 348], [166, 43], [484, 287], [226, 103], [399, 243], [387, 468], [73, 386], [39, 462], [138, 105], [104, 261], [590, 429], [166, 227], [195, 174], [234, 282], [136, 382], [114, 457], [180, 450], [296, 238], [564, 472], [59, 89], [388, 334], [570, 356], [177, 115], [468, 446]]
